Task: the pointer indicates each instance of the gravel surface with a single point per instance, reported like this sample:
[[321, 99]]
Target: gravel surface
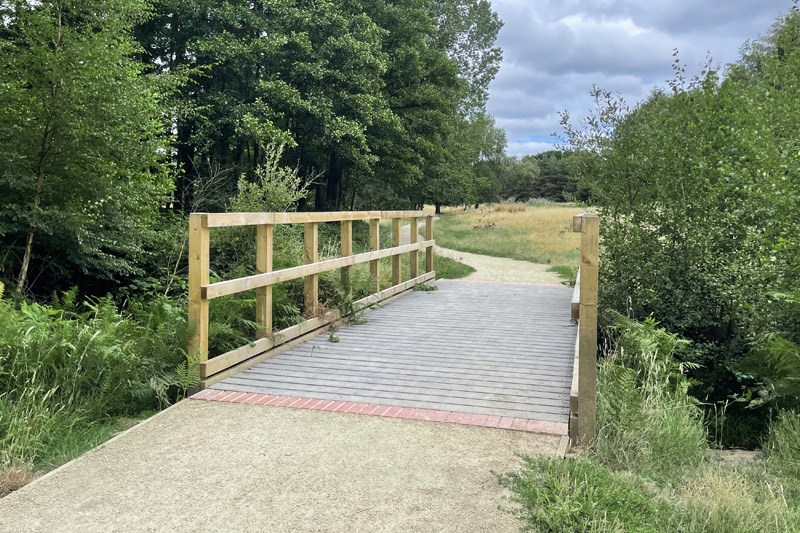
[[210, 466]]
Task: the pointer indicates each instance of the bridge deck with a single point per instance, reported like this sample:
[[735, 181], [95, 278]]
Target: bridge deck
[[483, 348]]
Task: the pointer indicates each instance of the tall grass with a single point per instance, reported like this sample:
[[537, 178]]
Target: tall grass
[[539, 234], [68, 370], [647, 422]]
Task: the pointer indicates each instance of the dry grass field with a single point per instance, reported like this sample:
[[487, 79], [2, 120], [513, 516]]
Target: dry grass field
[[539, 234]]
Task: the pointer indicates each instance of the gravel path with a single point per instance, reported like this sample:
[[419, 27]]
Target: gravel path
[[498, 269], [211, 466]]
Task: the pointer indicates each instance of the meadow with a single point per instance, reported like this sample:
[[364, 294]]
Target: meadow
[[535, 233]]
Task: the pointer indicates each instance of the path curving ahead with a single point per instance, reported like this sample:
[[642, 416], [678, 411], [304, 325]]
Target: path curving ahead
[[497, 269]]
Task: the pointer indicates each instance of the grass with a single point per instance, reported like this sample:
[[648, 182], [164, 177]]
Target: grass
[[651, 468], [539, 234]]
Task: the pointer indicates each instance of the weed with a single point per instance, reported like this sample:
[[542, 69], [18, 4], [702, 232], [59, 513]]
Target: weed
[[332, 337], [425, 287]]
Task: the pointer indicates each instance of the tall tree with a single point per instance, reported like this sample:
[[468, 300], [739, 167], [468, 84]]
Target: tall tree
[[80, 140]]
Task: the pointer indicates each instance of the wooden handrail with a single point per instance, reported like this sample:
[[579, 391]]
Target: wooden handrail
[[588, 225], [267, 343]]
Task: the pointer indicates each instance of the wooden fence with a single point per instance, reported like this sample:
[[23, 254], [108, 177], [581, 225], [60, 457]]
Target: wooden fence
[[270, 343], [583, 395]]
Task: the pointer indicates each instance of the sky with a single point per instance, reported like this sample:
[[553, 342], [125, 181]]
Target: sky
[[555, 50]]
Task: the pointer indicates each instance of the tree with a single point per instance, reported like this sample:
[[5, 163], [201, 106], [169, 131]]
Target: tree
[[304, 74], [80, 140]]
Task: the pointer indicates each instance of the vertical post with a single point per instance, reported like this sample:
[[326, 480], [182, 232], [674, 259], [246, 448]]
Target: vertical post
[[311, 283], [264, 240], [589, 226], [347, 249], [396, 273], [374, 246], [413, 238], [198, 276], [429, 237]]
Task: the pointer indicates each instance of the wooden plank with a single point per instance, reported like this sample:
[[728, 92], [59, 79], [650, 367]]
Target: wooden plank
[[217, 220], [347, 250], [198, 276], [575, 309], [587, 330], [311, 281], [573, 389], [223, 288], [233, 357], [396, 273], [429, 237], [375, 245], [243, 353], [216, 378], [413, 238], [264, 245]]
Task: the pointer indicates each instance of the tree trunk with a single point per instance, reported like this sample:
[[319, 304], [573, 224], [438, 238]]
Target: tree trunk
[[22, 279], [438, 208]]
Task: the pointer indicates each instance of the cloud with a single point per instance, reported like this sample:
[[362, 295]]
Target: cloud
[[520, 148], [555, 50]]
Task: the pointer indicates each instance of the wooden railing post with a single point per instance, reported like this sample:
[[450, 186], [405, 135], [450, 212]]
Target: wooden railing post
[[347, 249], [374, 246], [396, 273], [429, 250], [311, 283], [413, 238], [264, 240], [588, 224], [198, 276]]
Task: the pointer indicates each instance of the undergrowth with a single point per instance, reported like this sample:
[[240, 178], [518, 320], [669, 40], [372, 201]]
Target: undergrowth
[[68, 370], [651, 468]]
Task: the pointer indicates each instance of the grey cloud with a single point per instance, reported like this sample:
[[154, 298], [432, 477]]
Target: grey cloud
[[554, 51]]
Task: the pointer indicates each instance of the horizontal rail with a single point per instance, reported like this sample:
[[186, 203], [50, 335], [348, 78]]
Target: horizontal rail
[[224, 288], [201, 291], [229, 363], [576, 298], [220, 220]]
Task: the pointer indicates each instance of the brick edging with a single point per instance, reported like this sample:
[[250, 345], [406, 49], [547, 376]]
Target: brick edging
[[387, 411]]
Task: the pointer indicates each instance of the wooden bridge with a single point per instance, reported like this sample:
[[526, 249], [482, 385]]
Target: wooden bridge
[[515, 356]]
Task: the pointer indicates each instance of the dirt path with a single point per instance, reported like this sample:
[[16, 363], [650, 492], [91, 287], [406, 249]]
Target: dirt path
[[212, 466], [489, 268]]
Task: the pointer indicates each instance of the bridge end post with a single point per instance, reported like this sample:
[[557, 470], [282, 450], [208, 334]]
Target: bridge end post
[[588, 224], [198, 277]]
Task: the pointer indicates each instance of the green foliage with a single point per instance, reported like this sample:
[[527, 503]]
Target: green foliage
[[81, 143], [697, 187], [65, 368], [782, 446], [578, 495], [647, 421]]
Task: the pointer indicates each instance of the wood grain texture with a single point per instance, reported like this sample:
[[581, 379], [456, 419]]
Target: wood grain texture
[[311, 281], [264, 245], [198, 277]]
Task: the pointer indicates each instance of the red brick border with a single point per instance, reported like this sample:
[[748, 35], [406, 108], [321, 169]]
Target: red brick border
[[387, 411]]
